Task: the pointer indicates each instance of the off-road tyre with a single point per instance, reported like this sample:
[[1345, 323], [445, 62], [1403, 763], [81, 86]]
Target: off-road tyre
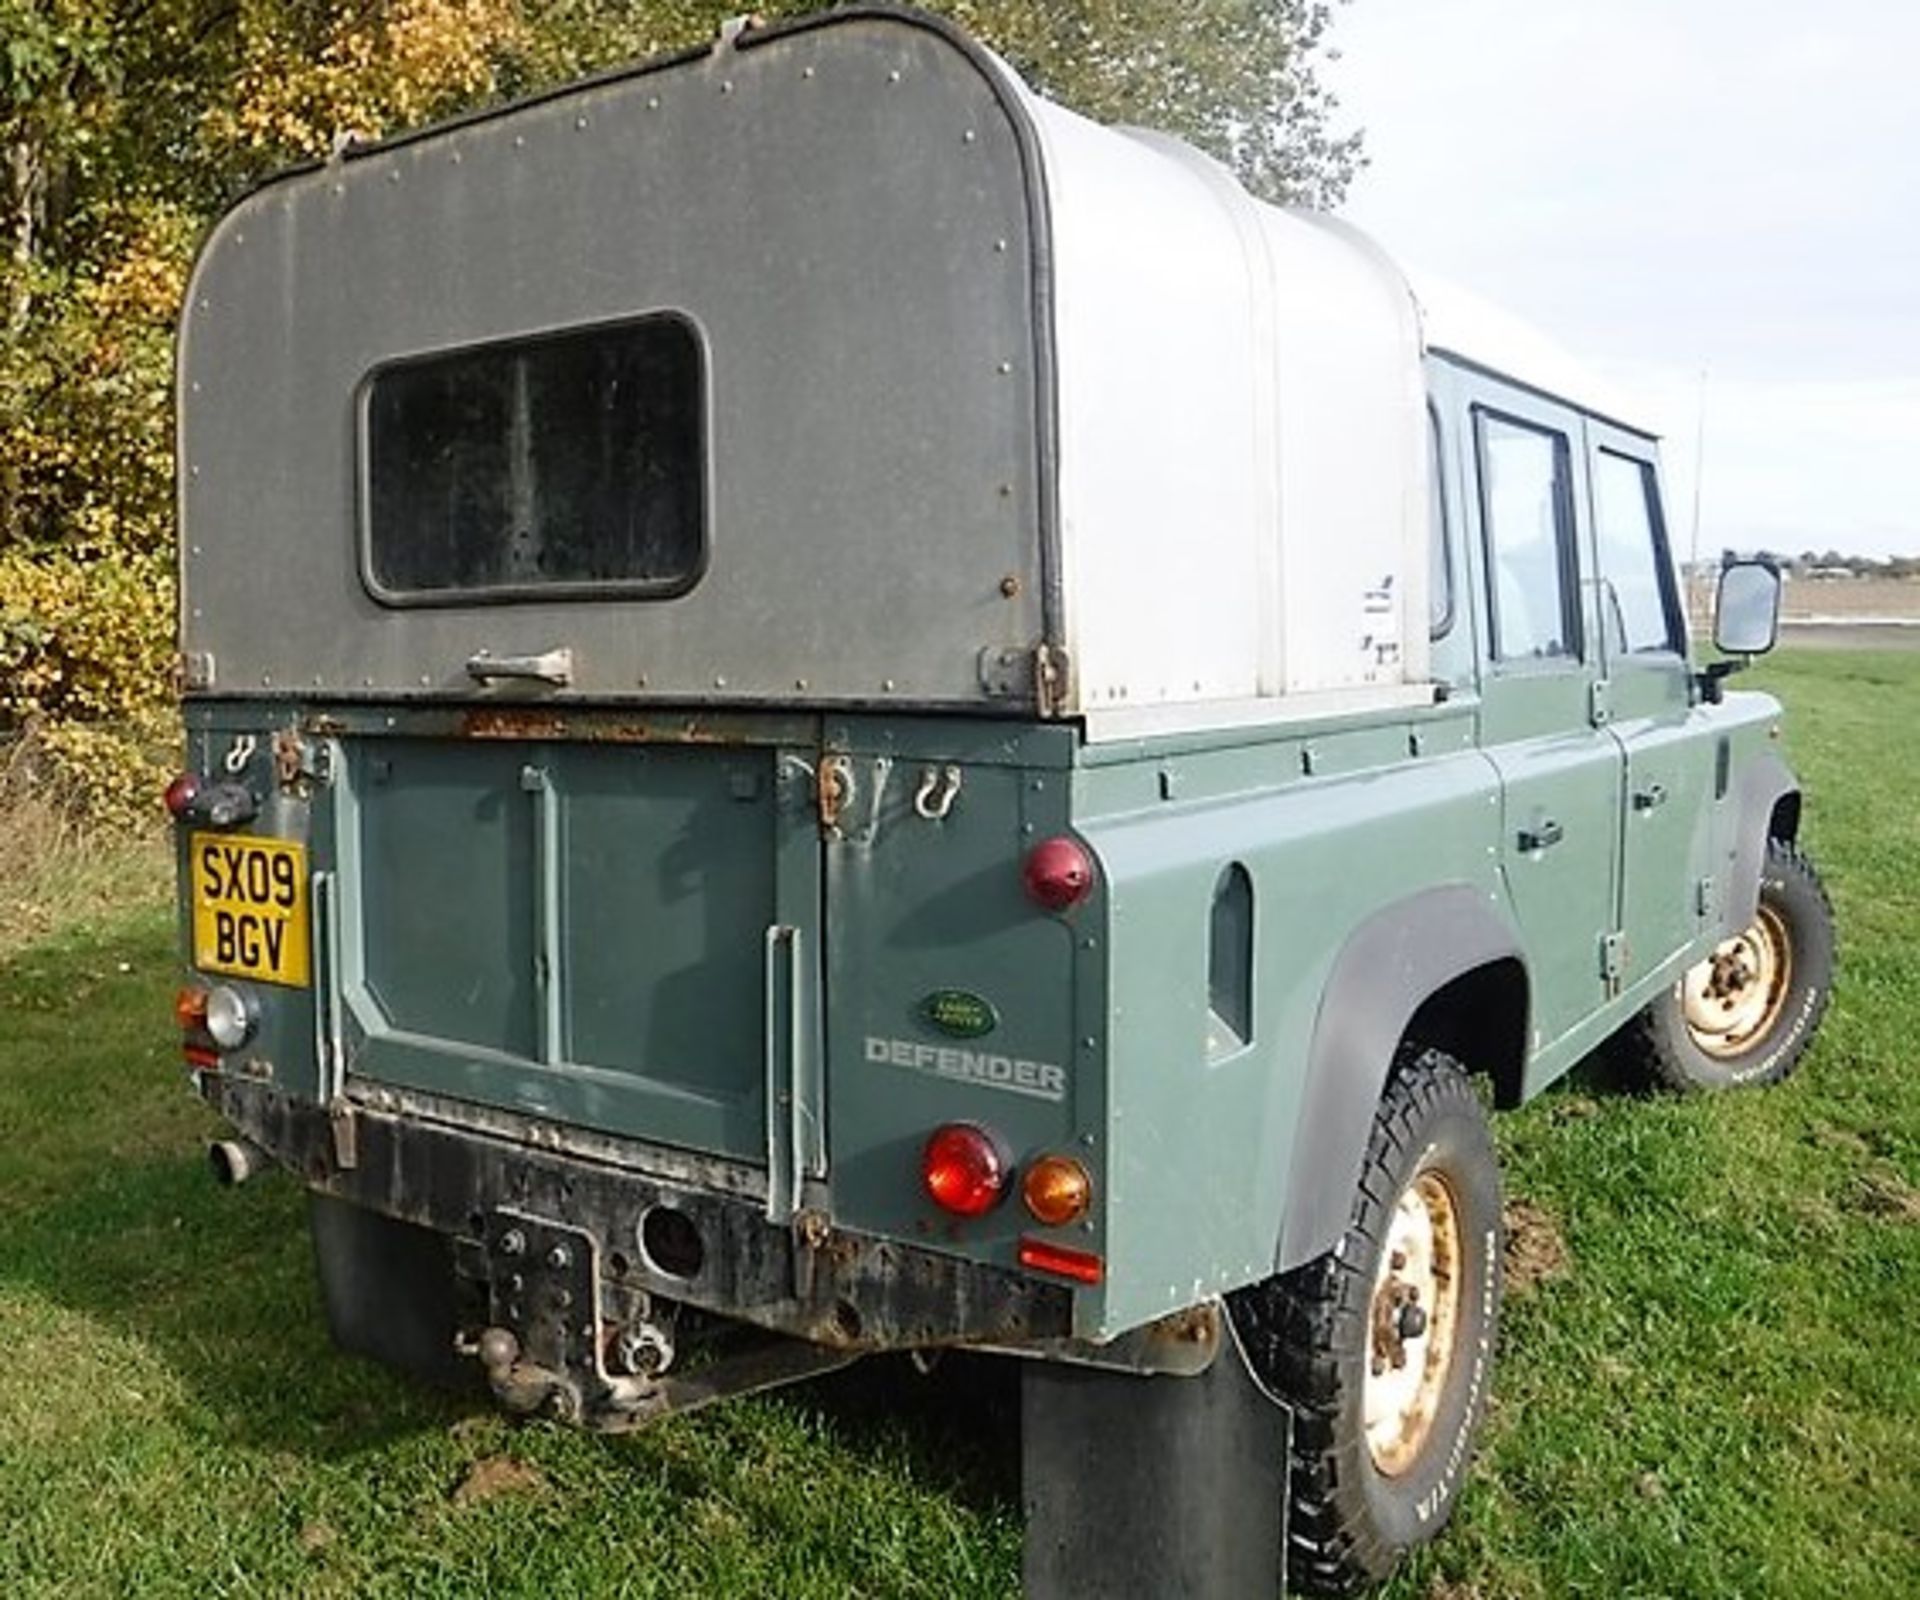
[[1309, 1336], [1794, 907]]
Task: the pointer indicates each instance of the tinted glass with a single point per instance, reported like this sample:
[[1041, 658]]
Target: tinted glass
[[1524, 502], [523, 468], [1638, 593]]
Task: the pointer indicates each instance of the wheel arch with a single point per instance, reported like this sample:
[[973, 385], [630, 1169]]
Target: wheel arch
[[1767, 806], [1443, 965]]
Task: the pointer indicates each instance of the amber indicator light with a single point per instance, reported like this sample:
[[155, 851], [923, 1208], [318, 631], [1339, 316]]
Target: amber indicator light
[[190, 1009], [1057, 1190]]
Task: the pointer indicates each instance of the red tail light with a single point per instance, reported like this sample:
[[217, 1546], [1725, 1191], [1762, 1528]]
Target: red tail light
[[182, 793], [1058, 873], [964, 1169]]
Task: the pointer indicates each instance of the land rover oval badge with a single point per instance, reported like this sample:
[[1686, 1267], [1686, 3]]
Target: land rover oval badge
[[959, 1014]]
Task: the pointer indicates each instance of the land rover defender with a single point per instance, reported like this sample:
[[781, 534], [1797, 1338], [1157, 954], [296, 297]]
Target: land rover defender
[[833, 711]]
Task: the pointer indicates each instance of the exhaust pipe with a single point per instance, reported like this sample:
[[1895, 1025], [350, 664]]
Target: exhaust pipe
[[235, 1160]]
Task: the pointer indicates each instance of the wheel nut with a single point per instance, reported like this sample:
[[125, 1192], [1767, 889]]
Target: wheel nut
[[558, 1258], [513, 1242], [1413, 1321]]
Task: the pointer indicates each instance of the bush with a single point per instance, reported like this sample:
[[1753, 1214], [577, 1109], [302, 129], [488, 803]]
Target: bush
[[86, 669]]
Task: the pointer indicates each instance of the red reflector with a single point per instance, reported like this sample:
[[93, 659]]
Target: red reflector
[[963, 1169], [182, 793], [200, 1056], [1079, 1265], [1058, 873]]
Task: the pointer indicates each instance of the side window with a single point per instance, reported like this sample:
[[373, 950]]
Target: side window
[[1525, 510], [570, 463], [1440, 572], [1637, 595]]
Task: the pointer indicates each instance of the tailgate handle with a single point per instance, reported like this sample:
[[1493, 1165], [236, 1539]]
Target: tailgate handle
[[549, 666]]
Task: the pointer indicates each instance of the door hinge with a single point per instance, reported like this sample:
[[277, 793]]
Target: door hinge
[[1599, 707], [1614, 956], [1703, 898]]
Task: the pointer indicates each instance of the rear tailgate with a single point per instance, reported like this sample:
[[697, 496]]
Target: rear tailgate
[[575, 931]]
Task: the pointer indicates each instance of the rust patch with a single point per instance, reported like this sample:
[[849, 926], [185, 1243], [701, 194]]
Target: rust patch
[[493, 1476], [532, 722], [289, 757], [511, 722], [1535, 1250]]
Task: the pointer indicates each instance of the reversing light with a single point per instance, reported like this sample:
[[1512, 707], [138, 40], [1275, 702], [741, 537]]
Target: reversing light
[[232, 1016], [1058, 873], [965, 1169], [181, 794], [1057, 1190], [1082, 1266]]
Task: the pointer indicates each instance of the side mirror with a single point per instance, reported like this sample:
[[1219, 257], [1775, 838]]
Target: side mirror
[[1746, 611]]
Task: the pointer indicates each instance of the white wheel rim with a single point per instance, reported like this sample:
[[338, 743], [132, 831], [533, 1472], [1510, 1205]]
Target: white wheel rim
[[1733, 998], [1415, 1312]]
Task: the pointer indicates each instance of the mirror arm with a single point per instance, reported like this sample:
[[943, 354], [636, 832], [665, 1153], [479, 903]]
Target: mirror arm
[[1713, 678]]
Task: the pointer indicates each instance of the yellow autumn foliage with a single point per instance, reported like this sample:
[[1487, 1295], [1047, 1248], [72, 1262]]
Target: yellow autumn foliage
[[86, 666]]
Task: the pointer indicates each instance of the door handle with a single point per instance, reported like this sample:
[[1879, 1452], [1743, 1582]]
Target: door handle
[[549, 666], [1655, 794], [1543, 835]]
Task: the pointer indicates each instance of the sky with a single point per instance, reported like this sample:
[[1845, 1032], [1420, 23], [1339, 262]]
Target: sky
[[1716, 203]]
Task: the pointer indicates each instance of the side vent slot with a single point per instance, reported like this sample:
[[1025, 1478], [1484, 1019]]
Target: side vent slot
[[1230, 965]]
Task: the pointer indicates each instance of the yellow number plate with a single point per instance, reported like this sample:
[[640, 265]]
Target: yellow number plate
[[250, 907]]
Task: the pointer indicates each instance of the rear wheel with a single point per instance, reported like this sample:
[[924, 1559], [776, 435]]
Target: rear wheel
[[1384, 1345], [1747, 1013]]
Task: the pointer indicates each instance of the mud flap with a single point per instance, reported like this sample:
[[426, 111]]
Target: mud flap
[[1152, 1486], [390, 1291]]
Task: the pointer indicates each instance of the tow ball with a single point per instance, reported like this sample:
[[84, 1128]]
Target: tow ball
[[546, 1348]]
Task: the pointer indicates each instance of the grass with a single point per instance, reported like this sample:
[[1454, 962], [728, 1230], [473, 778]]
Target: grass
[[56, 875], [1709, 1383]]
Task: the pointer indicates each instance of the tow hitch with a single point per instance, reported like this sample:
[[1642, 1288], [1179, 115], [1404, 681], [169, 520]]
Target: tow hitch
[[563, 1343]]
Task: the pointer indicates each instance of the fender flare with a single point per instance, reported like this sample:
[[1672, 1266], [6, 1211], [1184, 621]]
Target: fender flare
[[1764, 782], [1389, 966]]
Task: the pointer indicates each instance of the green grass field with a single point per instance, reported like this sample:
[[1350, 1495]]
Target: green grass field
[[1710, 1379]]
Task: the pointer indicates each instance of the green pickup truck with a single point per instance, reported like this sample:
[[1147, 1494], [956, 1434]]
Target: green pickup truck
[[832, 711]]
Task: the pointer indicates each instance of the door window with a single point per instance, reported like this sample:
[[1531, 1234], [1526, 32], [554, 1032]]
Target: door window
[[1637, 593], [1525, 507]]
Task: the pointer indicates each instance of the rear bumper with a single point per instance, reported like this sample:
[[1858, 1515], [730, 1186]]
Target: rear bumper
[[811, 1281]]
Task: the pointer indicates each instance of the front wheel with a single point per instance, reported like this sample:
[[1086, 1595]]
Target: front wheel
[[1383, 1346], [1747, 1013]]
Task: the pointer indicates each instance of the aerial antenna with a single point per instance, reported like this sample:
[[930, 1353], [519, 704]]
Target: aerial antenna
[[1699, 467]]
